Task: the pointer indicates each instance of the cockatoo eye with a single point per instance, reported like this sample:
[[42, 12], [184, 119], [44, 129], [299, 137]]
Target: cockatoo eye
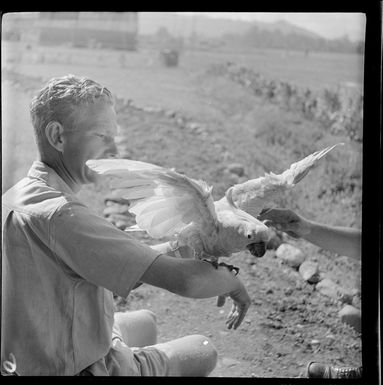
[[248, 236]]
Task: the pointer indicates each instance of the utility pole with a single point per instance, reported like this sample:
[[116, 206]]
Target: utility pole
[[193, 32]]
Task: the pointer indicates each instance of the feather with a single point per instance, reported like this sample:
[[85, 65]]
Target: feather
[[120, 182], [138, 192], [133, 228], [153, 218], [166, 228], [155, 204], [166, 201], [254, 195], [119, 166], [298, 170]]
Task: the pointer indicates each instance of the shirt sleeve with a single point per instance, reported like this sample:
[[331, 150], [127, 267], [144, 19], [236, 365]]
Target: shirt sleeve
[[97, 251]]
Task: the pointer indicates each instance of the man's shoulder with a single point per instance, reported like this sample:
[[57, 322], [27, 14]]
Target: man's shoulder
[[35, 197]]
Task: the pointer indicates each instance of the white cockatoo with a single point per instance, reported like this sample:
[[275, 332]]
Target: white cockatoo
[[168, 204]]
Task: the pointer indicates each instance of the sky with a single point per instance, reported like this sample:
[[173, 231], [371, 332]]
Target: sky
[[328, 25]]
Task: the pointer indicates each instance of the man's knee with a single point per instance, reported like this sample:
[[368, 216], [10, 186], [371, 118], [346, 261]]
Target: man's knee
[[139, 328], [147, 320], [193, 355], [142, 317], [209, 353], [204, 356], [149, 316]]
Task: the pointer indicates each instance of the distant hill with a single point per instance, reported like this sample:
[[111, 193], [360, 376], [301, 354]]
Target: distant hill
[[186, 25], [285, 28], [279, 34]]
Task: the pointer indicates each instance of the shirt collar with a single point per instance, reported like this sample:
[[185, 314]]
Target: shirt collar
[[41, 171]]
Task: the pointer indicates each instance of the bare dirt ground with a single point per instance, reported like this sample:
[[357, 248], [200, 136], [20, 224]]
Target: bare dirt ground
[[204, 124]]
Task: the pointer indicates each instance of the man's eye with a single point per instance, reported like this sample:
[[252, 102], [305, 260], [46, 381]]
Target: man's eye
[[101, 136]]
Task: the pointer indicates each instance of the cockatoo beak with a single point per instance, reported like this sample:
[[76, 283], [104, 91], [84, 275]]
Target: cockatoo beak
[[257, 249]]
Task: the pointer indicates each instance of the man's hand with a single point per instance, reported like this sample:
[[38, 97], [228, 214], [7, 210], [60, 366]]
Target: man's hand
[[287, 221], [197, 279], [241, 303]]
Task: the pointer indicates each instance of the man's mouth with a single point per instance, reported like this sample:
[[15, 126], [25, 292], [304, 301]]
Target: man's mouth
[[257, 249]]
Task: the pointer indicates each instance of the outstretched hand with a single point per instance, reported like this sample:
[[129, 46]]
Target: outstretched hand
[[241, 303], [285, 220]]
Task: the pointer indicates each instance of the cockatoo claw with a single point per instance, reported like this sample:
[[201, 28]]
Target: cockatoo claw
[[215, 264], [230, 267], [257, 249]]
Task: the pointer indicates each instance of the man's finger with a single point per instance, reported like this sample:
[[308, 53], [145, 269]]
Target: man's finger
[[268, 222], [263, 213], [221, 299], [231, 317], [292, 234], [241, 316]]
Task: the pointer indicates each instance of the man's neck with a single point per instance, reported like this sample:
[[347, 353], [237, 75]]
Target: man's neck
[[58, 166]]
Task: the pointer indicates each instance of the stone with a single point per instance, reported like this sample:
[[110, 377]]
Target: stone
[[180, 121], [345, 297], [115, 197], [328, 288], [315, 343], [170, 113], [151, 109], [309, 271], [356, 301], [116, 208], [228, 362], [351, 316], [290, 255], [237, 169], [119, 220], [194, 126], [120, 224]]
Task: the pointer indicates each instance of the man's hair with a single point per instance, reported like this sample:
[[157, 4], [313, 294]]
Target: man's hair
[[60, 98]]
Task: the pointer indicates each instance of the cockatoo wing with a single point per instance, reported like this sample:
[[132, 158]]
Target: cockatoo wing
[[298, 170], [163, 200], [256, 194]]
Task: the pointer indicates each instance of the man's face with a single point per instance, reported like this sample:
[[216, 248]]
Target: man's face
[[91, 138]]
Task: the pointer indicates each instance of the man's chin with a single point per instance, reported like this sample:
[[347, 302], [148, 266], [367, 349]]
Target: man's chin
[[91, 177]]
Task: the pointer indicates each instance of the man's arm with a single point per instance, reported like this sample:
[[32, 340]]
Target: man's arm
[[341, 240], [198, 279]]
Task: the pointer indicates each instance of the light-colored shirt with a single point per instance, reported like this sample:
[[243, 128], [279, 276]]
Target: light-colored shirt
[[60, 265]]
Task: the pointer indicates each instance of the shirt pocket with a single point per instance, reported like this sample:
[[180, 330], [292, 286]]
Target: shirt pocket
[[108, 303]]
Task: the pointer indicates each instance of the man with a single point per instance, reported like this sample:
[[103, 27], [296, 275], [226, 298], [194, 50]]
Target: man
[[340, 240], [61, 262]]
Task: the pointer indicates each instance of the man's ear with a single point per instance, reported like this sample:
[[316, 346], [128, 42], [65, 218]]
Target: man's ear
[[54, 133]]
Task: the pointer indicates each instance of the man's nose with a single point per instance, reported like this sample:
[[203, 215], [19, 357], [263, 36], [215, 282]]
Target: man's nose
[[112, 150]]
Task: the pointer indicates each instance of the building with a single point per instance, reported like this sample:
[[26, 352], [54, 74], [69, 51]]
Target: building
[[112, 30]]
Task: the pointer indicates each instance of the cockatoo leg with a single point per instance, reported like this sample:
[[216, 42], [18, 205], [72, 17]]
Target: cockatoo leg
[[230, 267], [213, 260], [202, 255]]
